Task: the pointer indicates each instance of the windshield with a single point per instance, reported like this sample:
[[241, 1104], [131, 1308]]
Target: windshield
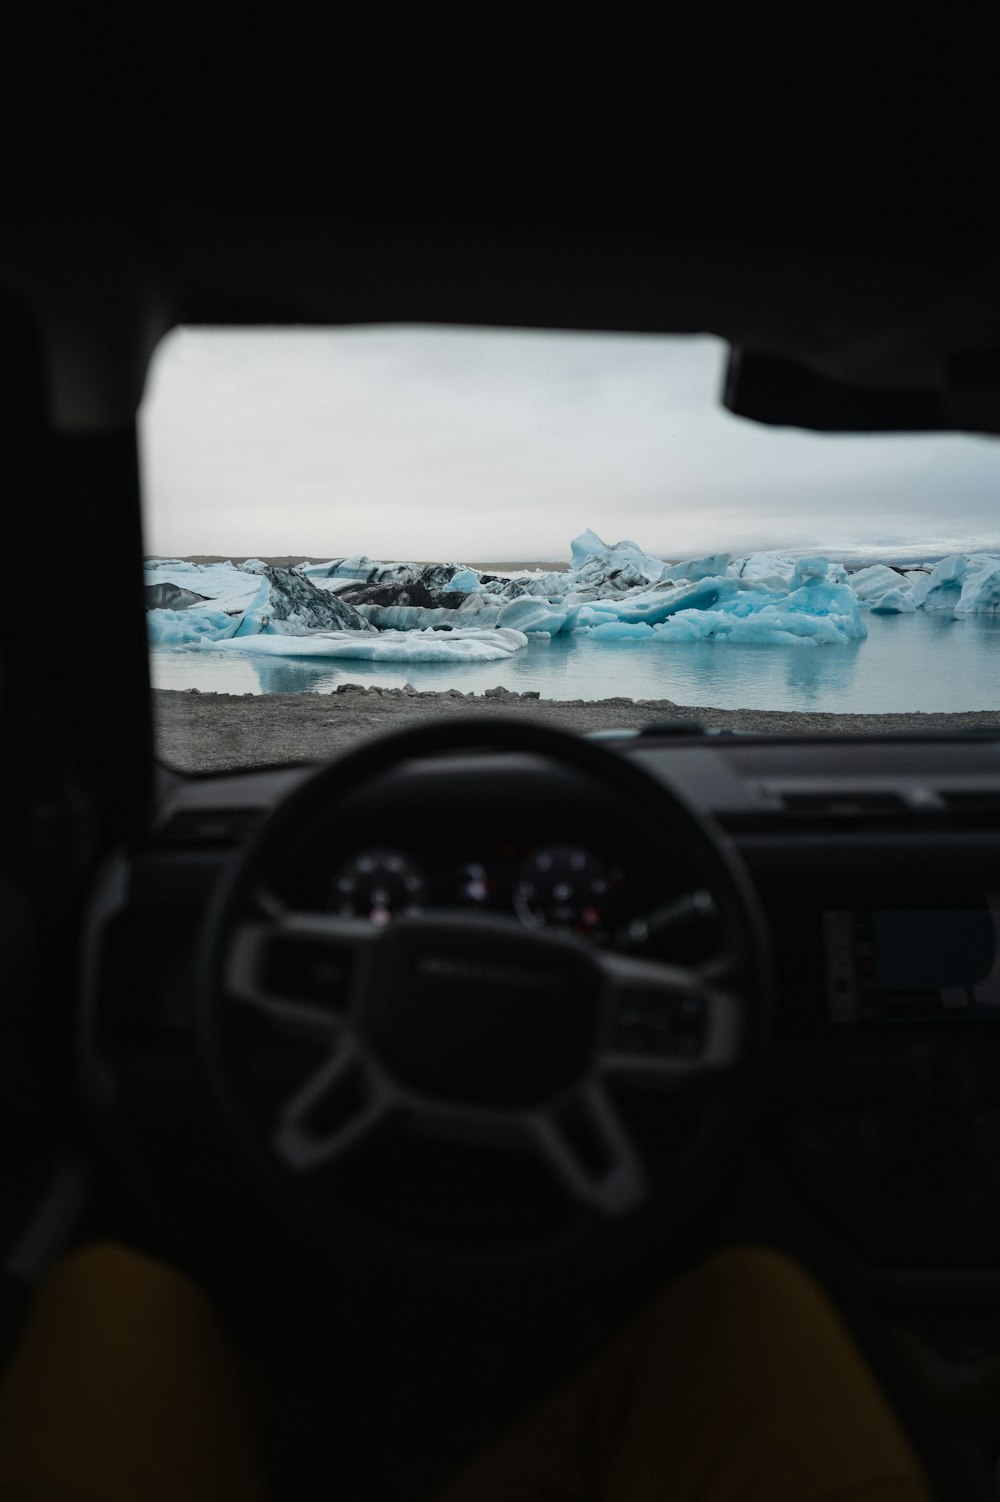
[[346, 528]]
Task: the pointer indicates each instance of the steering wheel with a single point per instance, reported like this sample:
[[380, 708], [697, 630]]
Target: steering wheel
[[347, 1057]]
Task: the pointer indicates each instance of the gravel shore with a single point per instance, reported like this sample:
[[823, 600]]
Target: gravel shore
[[206, 732]]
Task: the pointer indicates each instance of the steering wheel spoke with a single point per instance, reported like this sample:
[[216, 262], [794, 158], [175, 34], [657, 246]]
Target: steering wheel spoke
[[329, 1115], [300, 972], [298, 1021], [586, 1145], [666, 1022]]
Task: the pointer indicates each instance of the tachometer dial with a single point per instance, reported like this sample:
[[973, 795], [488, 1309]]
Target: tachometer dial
[[565, 887], [377, 885]]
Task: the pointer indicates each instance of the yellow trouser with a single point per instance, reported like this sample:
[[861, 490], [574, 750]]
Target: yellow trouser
[[739, 1381]]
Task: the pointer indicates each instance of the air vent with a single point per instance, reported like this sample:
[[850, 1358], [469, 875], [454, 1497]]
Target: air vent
[[844, 805], [973, 806], [216, 827]]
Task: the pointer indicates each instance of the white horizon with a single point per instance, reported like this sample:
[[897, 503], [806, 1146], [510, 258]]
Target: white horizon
[[459, 445]]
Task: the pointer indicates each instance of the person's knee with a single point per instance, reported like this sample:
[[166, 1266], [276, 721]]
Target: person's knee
[[759, 1268], [109, 1282], [740, 1287], [100, 1263]]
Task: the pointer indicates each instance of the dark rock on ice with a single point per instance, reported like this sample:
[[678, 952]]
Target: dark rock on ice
[[167, 596], [415, 592], [291, 601]]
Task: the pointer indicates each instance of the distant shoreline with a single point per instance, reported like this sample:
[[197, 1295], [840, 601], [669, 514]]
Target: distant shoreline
[[290, 560]]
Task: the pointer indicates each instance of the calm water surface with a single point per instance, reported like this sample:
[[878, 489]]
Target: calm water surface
[[921, 662]]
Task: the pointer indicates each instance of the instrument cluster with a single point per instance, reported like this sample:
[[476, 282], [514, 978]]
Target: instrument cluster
[[558, 885]]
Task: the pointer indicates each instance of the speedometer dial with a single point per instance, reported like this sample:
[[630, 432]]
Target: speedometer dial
[[565, 887], [377, 885]]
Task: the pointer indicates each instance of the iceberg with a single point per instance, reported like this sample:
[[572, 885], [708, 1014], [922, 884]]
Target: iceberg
[[698, 568], [534, 614], [872, 584], [226, 584], [288, 604], [474, 610], [623, 631], [774, 569], [588, 549], [385, 646], [942, 587], [963, 583], [816, 614], [359, 567], [980, 588], [189, 627], [897, 601]]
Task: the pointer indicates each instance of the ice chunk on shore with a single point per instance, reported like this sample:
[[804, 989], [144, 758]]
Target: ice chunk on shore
[[385, 646]]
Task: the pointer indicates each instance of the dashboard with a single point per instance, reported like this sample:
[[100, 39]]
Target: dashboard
[[876, 862]]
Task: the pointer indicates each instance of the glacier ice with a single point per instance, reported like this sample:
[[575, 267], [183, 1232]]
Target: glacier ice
[[360, 608]]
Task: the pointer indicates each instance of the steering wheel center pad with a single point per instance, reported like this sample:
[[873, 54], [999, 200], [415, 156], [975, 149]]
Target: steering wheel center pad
[[471, 1010]]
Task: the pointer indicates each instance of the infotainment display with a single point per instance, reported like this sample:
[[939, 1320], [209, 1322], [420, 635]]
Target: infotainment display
[[930, 964]]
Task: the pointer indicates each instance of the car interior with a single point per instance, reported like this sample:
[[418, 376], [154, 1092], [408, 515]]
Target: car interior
[[426, 1169]]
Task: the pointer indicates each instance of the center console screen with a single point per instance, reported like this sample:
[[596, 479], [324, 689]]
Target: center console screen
[[940, 964]]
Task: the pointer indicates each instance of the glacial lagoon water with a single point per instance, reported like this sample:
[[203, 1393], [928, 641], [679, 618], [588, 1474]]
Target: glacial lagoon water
[[930, 662]]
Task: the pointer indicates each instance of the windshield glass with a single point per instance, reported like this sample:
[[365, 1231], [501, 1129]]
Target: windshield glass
[[346, 528]]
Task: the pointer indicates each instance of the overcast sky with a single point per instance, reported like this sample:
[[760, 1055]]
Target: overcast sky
[[477, 445]]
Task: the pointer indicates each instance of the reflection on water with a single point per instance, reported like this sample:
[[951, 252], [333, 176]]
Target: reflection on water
[[922, 662], [810, 683]]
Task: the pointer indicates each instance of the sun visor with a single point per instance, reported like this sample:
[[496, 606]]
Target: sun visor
[[780, 392]]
